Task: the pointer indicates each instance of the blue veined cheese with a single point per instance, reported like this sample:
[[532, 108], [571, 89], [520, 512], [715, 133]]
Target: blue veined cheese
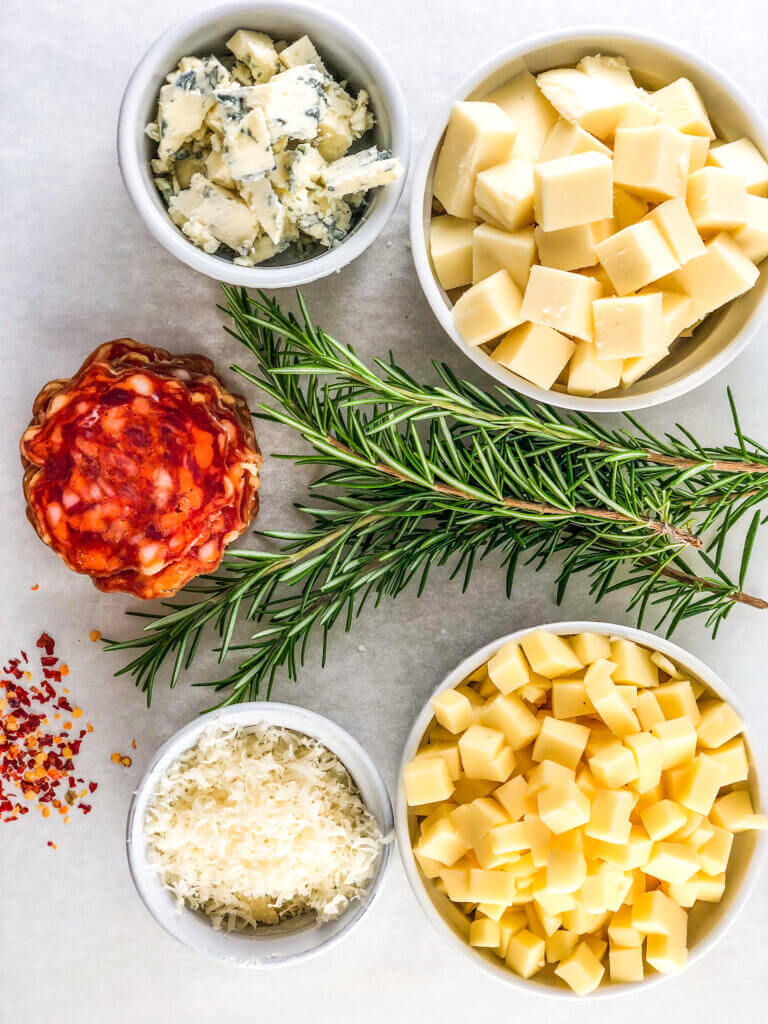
[[263, 249], [199, 234], [257, 51], [247, 147], [297, 102], [345, 120], [322, 217], [367, 169], [235, 103], [301, 52], [217, 168], [224, 216], [206, 74], [262, 201], [304, 168], [180, 114], [186, 168]]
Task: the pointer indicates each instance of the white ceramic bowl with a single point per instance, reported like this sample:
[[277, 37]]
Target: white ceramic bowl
[[658, 62], [274, 946], [707, 922], [347, 52]]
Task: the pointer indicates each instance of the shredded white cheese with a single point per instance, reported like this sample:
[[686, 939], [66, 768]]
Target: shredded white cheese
[[256, 825]]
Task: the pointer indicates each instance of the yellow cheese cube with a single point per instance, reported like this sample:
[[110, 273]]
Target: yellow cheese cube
[[633, 664], [524, 103], [563, 807], [668, 952], [590, 647], [548, 773], [581, 971], [573, 190], [450, 246], [662, 662], [709, 889], [685, 894], [607, 701], [502, 766], [638, 366], [539, 839], [566, 139], [744, 158], [492, 910], [466, 790], [485, 933], [506, 192], [550, 655], [700, 785], [559, 741], [717, 724], [488, 859], [511, 796], [634, 257], [640, 115], [627, 209], [541, 922], [449, 752], [752, 239], [626, 964], [613, 766], [702, 834], [510, 923], [622, 932], [648, 710], [536, 353], [715, 853], [627, 856], [678, 741], [590, 375], [566, 871], [476, 819], [628, 327], [571, 248], [569, 699], [721, 274], [452, 710], [426, 780], [479, 746], [562, 301], [732, 756], [488, 309], [698, 151], [679, 105], [663, 818], [676, 699], [509, 837], [510, 716], [591, 102], [442, 842], [734, 811], [693, 819], [651, 162], [525, 953], [586, 782], [560, 944], [491, 886], [456, 882], [609, 815], [494, 249], [479, 135], [717, 200], [654, 913], [508, 670], [674, 221], [647, 751], [429, 868], [672, 862]]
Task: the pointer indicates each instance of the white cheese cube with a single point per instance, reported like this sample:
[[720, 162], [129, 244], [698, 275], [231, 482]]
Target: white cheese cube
[[651, 162], [494, 249], [572, 248], [488, 309], [450, 245], [303, 51], [612, 70], [675, 314], [676, 225], [628, 327], [247, 148], [593, 103], [506, 192], [680, 106], [640, 114], [717, 199], [561, 300], [367, 169], [627, 209], [257, 51], [744, 158], [636, 256], [566, 139], [573, 190], [722, 273], [589, 375], [521, 100], [479, 135], [698, 152], [752, 239], [537, 353]]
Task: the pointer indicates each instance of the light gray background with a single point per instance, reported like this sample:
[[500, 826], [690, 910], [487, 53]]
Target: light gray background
[[79, 269]]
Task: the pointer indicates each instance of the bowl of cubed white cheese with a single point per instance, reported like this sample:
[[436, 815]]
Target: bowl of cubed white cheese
[[589, 219], [264, 144]]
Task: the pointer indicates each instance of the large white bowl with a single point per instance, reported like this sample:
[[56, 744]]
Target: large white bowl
[[272, 946], [707, 922], [347, 52], [725, 333]]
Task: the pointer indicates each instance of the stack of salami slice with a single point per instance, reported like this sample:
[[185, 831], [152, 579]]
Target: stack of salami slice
[[140, 469]]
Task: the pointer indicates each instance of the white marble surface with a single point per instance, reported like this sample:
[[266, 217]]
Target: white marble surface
[[77, 269]]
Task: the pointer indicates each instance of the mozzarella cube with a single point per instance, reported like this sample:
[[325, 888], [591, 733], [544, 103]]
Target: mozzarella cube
[[566, 139], [717, 200], [628, 327], [563, 807], [573, 190], [744, 158], [536, 353], [450, 246], [679, 105], [635, 256], [674, 221], [508, 670], [717, 723], [722, 273], [522, 101], [591, 102], [505, 191], [590, 375], [752, 239], [571, 248], [427, 781], [488, 309], [494, 249], [651, 162], [549, 655], [581, 971], [561, 300]]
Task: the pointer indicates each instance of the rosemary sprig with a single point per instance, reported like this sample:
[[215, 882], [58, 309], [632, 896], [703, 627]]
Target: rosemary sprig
[[418, 475]]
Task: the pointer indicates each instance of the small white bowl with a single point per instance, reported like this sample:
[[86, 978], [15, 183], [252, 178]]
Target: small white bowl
[[707, 922], [346, 51], [728, 331], [274, 946]]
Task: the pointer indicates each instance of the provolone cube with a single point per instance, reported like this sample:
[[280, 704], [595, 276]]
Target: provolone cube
[[715, 853], [633, 664], [678, 741], [485, 933], [626, 964], [628, 327], [494, 249], [621, 931], [744, 158], [449, 752], [572, 248], [711, 280], [613, 70], [679, 105], [479, 747], [639, 115], [591, 102], [509, 837], [613, 766], [607, 701], [566, 870], [734, 811], [479, 135], [506, 192], [676, 699], [627, 856], [709, 889], [490, 886], [573, 190], [581, 921], [563, 807], [609, 816], [494, 911], [581, 971], [509, 714], [590, 375], [651, 162], [669, 953], [693, 819], [456, 882], [702, 834], [527, 107], [450, 245], [647, 751], [638, 366], [508, 670], [566, 139], [476, 819], [634, 257], [672, 862], [647, 710], [549, 655], [732, 756], [698, 151], [717, 200], [569, 699], [442, 842], [561, 300], [536, 353], [752, 239], [562, 742], [663, 818], [430, 868], [627, 209], [488, 309], [452, 710], [466, 790], [560, 945], [525, 953], [590, 647], [674, 221], [586, 782], [654, 913], [717, 724], [511, 796], [427, 780]]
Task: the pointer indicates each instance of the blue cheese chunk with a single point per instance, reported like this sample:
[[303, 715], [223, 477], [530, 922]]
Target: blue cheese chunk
[[367, 169], [297, 103], [235, 103], [262, 201], [206, 74], [304, 167], [322, 217], [224, 216], [344, 121], [301, 52], [180, 114], [247, 148], [217, 169], [257, 51]]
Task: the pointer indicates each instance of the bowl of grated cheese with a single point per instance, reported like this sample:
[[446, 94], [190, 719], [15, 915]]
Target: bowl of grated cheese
[[259, 835]]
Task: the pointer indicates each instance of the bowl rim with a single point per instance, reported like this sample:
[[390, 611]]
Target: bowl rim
[[297, 719], [592, 35], [499, 972], [159, 224]]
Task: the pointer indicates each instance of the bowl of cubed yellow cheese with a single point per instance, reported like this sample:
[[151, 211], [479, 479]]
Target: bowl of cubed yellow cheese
[[579, 809], [589, 217]]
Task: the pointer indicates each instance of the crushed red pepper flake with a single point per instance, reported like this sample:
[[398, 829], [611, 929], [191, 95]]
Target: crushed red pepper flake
[[35, 587], [133, 744]]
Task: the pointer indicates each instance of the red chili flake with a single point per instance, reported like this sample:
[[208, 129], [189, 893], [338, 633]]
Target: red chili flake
[[52, 845], [36, 587], [133, 744], [46, 642]]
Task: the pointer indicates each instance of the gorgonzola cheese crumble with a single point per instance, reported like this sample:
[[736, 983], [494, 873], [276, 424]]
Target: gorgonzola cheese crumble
[[253, 149]]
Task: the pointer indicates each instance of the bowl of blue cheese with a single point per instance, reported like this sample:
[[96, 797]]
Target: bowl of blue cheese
[[265, 145]]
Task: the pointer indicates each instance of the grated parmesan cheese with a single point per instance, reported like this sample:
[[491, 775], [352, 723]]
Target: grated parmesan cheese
[[257, 825]]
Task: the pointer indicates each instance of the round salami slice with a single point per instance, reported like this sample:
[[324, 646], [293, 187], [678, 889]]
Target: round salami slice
[[140, 469]]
